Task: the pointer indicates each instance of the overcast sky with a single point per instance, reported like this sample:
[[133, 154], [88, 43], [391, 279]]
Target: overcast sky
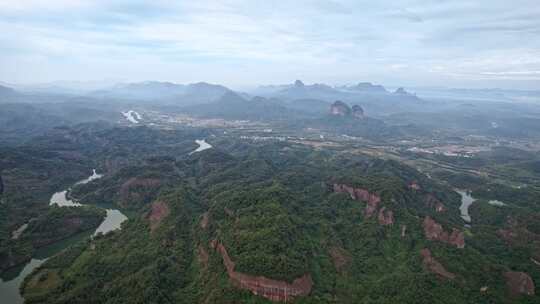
[[459, 43]]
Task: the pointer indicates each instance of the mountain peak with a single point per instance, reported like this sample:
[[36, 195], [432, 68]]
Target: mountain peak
[[298, 83], [358, 111], [369, 87]]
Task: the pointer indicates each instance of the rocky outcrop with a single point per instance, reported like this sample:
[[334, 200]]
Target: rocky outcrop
[[519, 283], [339, 108], [136, 190], [435, 232], [360, 194], [273, 290], [414, 186], [358, 112], [434, 266], [299, 83], [435, 203], [204, 220], [159, 211], [386, 217]]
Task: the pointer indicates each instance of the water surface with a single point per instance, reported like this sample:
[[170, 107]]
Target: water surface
[[203, 145], [466, 202], [11, 280]]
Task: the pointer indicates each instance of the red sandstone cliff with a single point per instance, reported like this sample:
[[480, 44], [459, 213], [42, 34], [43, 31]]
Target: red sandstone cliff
[[519, 283], [414, 186], [273, 290], [435, 232], [360, 194]]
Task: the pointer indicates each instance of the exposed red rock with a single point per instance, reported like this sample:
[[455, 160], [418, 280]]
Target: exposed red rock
[[204, 220], [434, 266], [435, 232], [433, 202], [159, 211], [340, 257], [386, 217], [339, 108], [273, 290], [517, 234], [360, 194], [519, 283], [414, 186], [439, 207]]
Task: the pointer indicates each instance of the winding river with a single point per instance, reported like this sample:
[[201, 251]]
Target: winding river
[[11, 280]]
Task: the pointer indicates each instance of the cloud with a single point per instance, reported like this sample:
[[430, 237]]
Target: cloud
[[420, 41]]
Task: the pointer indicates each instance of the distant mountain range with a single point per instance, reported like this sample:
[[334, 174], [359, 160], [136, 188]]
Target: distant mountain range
[[153, 90]]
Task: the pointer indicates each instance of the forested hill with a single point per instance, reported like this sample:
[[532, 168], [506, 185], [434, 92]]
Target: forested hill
[[257, 222]]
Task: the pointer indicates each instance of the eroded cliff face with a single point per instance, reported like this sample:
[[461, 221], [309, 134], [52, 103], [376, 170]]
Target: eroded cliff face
[[360, 194], [138, 189], [519, 283], [434, 266], [435, 232], [516, 234], [414, 186], [386, 217], [435, 203], [339, 108], [274, 290]]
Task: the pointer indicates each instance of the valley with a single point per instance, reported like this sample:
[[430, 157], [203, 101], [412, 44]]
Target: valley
[[270, 200]]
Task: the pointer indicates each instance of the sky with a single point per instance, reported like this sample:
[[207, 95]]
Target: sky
[[458, 43]]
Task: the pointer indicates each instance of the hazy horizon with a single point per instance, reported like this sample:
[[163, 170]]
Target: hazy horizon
[[462, 44]]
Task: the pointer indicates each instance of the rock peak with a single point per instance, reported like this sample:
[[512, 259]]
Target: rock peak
[[339, 108], [298, 83], [357, 111]]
